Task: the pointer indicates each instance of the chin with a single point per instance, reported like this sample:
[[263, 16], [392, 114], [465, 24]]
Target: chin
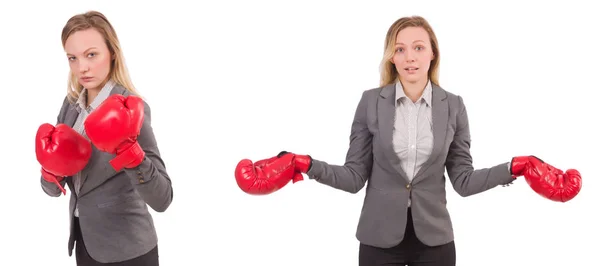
[[414, 78], [88, 85]]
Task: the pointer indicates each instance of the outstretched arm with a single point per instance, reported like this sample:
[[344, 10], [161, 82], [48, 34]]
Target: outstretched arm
[[352, 176], [465, 179]]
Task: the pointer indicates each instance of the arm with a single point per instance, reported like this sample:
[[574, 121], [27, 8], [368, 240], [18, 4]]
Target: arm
[[459, 163], [50, 188], [352, 176], [150, 178]]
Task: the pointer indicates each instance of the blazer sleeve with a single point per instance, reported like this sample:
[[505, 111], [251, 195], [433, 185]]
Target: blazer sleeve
[[352, 176], [150, 178], [465, 179], [48, 187]]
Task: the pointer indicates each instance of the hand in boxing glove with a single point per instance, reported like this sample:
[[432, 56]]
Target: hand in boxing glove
[[266, 176], [61, 152], [114, 128], [546, 180]]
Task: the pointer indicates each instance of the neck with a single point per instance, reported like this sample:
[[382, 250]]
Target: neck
[[414, 90]]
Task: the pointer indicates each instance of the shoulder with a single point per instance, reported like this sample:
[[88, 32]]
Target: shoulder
[[67, 105], [385, 91], [371, 92], [369, 97], [455, 101]]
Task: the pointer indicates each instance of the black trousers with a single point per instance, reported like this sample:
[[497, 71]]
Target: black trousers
[[84, 259], [410, 251]]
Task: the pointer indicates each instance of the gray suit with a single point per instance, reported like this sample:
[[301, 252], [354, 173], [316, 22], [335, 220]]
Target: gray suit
[[113, 215], [371, 157]]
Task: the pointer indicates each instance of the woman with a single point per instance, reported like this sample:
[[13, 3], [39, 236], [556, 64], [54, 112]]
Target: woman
[[110, 187], [404, 135]]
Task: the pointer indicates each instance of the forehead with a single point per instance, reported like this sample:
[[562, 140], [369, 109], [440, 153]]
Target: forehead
[[82, 40], [411, 34]]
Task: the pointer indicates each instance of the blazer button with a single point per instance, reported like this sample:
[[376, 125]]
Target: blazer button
[[407, 186]]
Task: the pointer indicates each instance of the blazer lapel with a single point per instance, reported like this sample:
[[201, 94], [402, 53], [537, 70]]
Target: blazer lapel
[[98, 167], [71, 115], [439, 115], [386, 112]]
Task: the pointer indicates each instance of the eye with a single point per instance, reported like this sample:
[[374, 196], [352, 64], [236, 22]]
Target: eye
[[399, 50], [71, 58], [420, 48], [91, 54]]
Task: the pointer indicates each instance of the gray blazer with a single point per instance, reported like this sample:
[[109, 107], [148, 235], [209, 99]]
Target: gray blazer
[[371, 158], [113, 213]]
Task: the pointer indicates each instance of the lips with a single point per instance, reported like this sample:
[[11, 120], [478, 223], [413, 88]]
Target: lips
[[411, 68]]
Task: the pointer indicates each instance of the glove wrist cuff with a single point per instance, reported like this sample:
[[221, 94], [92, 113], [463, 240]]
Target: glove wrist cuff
[[53, 179], [128, 158], [304, 163]]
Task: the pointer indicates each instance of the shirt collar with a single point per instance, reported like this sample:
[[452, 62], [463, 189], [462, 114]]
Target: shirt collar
[[102, 95], [426, 96]]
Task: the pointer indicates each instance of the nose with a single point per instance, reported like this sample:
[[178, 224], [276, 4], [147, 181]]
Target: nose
[[410, 56], [83, 66]]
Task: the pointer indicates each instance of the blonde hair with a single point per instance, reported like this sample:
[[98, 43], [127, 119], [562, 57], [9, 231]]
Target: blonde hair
[[389, 74], [118, 68]]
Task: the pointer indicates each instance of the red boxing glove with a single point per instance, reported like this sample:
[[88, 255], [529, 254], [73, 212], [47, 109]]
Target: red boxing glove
[[266, 176], [114, 128], [61, 152], [546, 180]]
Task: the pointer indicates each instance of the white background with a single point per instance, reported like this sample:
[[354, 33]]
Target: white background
[[247, 79]]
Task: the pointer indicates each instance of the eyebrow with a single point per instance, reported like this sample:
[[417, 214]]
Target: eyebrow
[[413, 42], [86, 50]]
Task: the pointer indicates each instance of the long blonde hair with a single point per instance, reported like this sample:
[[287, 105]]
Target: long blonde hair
[[118, 68], [389, 74]]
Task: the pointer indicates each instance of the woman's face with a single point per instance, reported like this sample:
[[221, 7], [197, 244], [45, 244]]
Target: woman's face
[[412, 54], [89, 58]]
